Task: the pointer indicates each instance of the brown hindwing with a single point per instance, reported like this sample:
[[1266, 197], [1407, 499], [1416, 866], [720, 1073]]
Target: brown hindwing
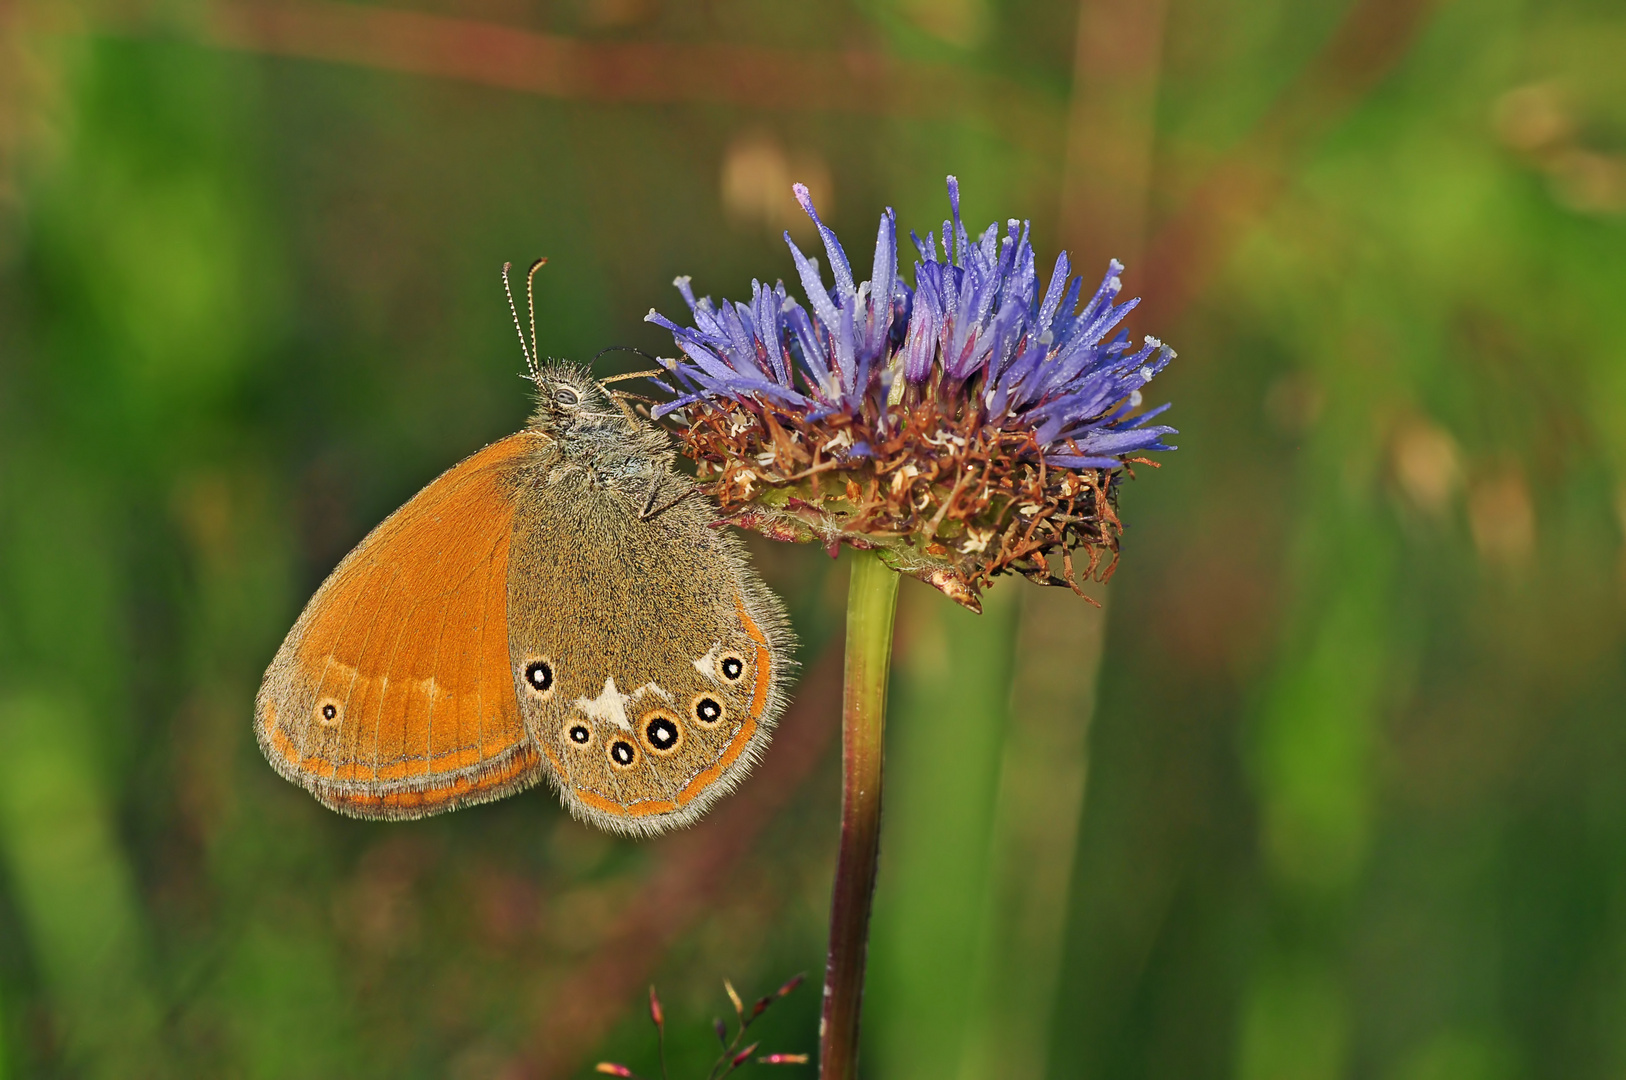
[[393, 696], [667, 659]]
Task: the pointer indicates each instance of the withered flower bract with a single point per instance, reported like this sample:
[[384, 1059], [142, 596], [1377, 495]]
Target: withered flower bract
[[965, 427]]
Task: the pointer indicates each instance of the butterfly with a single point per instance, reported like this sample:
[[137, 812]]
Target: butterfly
[[558, 606]]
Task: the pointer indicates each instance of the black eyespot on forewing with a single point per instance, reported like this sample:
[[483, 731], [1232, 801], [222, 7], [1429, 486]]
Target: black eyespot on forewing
[[329, 711], [579, 734], [708, 710], [622, 753], [539, 676], [732, 667]]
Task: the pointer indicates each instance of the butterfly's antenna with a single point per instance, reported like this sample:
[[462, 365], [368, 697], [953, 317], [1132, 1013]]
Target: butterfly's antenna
[[530, 298], [624, 348], [530, 360], [605, 383]]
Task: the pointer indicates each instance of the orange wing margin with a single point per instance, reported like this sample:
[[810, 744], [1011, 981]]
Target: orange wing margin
[[394, 695]]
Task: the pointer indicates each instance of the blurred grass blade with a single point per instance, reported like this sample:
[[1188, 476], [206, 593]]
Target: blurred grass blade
[[73, 886], [944, 753], [1035, 835]]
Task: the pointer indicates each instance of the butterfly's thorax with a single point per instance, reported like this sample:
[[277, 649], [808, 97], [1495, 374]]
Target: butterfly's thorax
[[615, 456]]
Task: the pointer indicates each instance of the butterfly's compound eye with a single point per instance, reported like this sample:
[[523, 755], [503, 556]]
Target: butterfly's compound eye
[[622, 754], [660, 731], [538, 676], [707, 710], [564, 395], [732, 667]]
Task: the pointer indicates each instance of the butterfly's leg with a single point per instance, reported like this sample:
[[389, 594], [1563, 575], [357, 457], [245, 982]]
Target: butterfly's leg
[[621, 397], [649, 502], [648, 513]]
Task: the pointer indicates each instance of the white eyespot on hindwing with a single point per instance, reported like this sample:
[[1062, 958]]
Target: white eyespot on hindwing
[[707, 710], [610, 706], [538, 676], [623, 755], [660, 731], [731, 666]]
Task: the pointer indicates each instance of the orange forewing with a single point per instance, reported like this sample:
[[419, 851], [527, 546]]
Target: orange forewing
[[406, 644]]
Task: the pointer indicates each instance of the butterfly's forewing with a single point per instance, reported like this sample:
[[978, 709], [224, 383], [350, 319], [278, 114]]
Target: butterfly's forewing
[[650, 661], [393, 695]]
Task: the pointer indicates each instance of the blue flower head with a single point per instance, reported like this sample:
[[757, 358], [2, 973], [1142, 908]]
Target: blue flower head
[[932, 422]]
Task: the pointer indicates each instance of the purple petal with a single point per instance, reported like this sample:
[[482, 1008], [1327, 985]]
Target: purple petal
[[832, 247]]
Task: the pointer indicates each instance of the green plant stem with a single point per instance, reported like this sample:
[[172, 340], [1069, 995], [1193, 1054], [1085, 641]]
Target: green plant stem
[[872, 600]]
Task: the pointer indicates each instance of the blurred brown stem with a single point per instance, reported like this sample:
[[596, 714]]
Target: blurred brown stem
[[872, 600], [490, 53]]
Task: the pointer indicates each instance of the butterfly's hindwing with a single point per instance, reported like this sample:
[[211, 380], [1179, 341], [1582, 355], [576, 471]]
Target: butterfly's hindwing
[[667, 658]]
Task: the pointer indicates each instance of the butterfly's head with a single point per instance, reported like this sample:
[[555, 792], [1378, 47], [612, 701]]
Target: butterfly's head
[[591, 425], [568, 402]]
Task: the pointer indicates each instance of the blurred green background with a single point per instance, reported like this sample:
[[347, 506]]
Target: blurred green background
[[1333, 786]]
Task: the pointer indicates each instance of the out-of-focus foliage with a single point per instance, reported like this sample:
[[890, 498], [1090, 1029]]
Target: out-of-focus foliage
[[1350, 802]]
